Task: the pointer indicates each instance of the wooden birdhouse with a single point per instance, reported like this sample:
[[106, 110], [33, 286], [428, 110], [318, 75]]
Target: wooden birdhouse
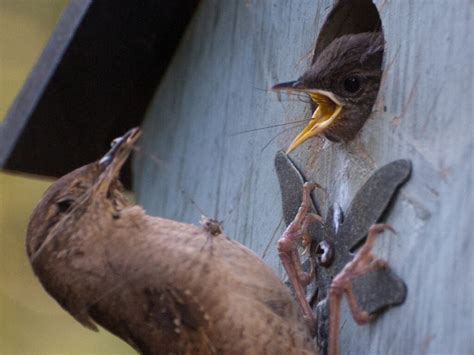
[[212, 128]]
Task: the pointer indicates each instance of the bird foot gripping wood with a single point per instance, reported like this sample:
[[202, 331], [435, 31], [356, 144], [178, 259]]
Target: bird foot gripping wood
[[363, 263], [288, 253], [369, 283]]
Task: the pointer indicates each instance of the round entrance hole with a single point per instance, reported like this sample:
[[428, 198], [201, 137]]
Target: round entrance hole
[[348, 17]]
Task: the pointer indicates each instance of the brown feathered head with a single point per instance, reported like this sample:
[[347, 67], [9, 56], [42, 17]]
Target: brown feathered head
[[343, 82], [74, 191]]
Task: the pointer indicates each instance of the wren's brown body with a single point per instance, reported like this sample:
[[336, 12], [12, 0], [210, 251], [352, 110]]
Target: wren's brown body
[[151, 281]]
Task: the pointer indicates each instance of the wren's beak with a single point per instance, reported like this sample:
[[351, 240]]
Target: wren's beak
[[112, 162], [329, 108]]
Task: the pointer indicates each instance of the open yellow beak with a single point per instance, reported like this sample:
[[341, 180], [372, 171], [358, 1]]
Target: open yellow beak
[[329, 108], [327, 111]]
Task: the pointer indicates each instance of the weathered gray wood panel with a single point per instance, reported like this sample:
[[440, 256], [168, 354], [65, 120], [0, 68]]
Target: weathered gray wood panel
[[216, 87]]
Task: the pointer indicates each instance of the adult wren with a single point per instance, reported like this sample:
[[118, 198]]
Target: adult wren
[[151, 281], [343, 82]]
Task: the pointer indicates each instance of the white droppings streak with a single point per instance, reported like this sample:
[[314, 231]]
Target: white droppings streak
[[336, 218]]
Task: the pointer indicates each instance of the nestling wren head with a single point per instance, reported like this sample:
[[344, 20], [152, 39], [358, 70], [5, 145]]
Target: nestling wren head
[[343, 82], [76, 193]]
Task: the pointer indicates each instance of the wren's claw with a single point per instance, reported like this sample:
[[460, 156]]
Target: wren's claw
[[363, 262], [288, 253]]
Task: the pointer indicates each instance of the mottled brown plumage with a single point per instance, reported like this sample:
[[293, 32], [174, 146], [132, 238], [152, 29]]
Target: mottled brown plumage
[[346, 76], [149, 280]]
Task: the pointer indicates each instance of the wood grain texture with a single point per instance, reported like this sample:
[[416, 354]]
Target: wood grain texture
[[217, 86]]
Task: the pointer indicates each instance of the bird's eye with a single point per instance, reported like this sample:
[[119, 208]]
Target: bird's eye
[[64, 205], [352, 84]]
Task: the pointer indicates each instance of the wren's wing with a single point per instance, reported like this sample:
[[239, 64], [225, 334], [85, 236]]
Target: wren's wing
[[155, 320], [203, 292]]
